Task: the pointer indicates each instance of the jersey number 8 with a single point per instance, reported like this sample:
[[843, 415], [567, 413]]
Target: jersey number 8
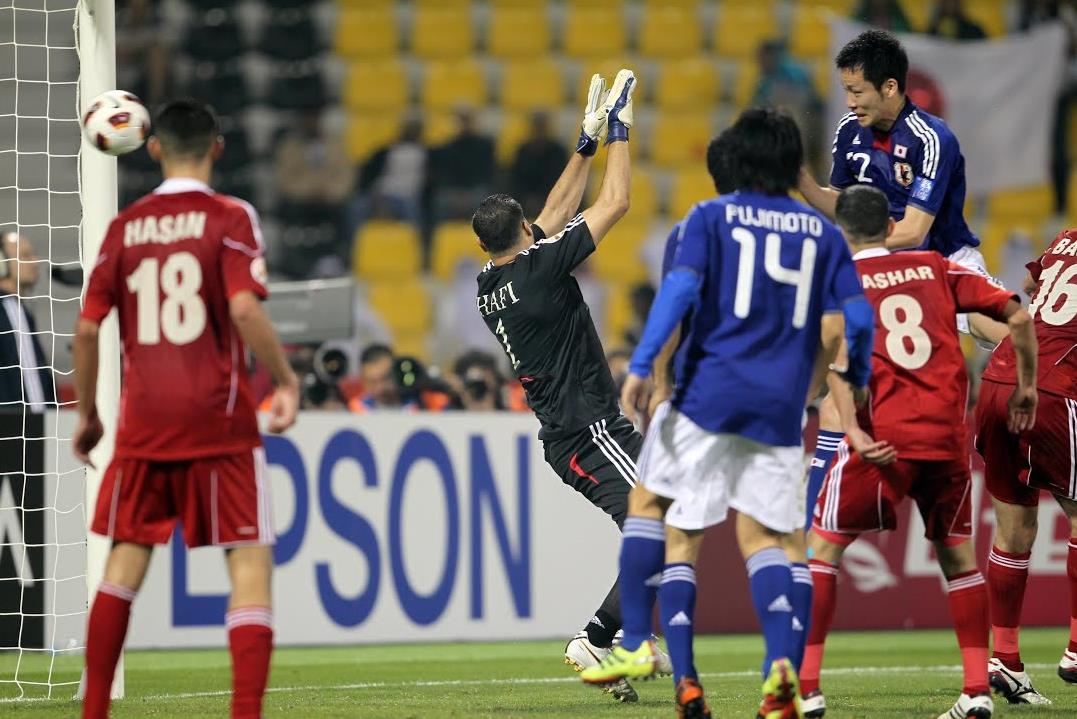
[[901, 332], [182, 315]]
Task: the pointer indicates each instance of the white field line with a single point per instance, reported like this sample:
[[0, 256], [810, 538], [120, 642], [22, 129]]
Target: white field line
[[838, 671]]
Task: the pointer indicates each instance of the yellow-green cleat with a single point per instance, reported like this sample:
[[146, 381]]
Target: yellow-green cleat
[[621, 663], [781, 692]]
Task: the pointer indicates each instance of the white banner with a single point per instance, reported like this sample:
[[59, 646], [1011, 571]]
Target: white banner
[[998, 96], [396, 528]]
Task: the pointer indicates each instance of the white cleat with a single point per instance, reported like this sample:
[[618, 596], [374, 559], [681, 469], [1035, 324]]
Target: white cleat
[[978, 707], [1067, 667], [580, 654], [1015, 687], [813, 706]]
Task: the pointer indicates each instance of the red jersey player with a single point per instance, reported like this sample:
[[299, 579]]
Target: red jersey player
[[917, 412], [184, 269], [1019, 466]]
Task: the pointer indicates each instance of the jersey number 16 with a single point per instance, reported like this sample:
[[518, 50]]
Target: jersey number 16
[[182, 315]]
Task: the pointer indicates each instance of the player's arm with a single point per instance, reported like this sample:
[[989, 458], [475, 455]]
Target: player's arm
[[612, 202], [663, 375], [911, 230], [831, 329], [254, 327], [841, 393], [89, 430], [564, 199], [1023, 401], [824, 199], [1029, 284]]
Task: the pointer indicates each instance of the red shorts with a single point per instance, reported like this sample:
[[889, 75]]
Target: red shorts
[[1017, 467], [222, 501], [861, 497]]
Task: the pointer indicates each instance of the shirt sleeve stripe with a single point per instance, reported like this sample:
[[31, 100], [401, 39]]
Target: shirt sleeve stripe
[[845, 120], [930, 138]]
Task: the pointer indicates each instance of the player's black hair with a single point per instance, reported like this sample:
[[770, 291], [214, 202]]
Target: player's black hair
[[879, 55], [497, 223], [375, 352], [186, 128], [863, 212], [761, 152], [718, 166]]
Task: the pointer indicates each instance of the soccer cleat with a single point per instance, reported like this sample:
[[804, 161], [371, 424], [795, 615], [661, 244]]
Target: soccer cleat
[[978, 707], [580, 654], [1067, 667], [1015, 687], [780, 692], [813, 706], [620, 663], [690, 701], [665, 664]]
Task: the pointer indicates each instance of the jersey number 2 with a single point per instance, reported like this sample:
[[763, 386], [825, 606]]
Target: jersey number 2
[[182, 315], [898, 330], [800, 278]]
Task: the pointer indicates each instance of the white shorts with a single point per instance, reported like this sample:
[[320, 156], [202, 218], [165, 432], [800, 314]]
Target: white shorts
[[708, 473], [972, 259]]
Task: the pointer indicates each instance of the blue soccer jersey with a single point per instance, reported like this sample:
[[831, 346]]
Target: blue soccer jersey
[[770, 268], [917, 163]]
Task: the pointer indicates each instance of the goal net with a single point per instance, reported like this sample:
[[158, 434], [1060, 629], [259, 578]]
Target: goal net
[[44, 556]]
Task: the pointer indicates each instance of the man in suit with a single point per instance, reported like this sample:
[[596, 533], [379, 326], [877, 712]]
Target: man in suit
[[25, 375]]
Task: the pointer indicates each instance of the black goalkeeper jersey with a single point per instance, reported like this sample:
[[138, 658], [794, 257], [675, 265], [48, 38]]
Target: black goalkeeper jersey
[[534, 307]]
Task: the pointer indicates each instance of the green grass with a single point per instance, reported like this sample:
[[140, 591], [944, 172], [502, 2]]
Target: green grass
[[876, 674]]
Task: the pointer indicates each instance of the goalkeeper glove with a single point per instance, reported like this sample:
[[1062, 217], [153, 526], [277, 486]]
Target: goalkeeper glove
[[619, 106], [593, 130]]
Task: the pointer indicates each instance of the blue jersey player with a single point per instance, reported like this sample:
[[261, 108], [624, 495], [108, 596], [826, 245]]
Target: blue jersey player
[[756, 270]]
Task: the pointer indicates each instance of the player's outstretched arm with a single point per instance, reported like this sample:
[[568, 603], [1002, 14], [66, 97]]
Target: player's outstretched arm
[[663, 377], [89, 430], [841, 393], [831, 331], [254, 327], [612, 202], [824, 199], [564, 199], [911, 230], [1023, 401]]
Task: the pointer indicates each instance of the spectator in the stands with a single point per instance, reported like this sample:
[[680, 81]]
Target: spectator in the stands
[[377, 373], [143, 51], [786, 84], [950, 21], [392, 182], [26, 382], [478, 382], [885, 14], [537, 165], [462, 169]]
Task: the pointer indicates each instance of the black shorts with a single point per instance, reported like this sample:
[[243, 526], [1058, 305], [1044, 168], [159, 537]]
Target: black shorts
[[599, 462]]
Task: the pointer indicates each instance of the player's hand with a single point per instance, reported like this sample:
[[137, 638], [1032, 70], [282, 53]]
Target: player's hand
[[593, 130], [635, 396], [619, 106], [662, 392], [87, 434], [284, 406], [1022, 409], [880, 453]]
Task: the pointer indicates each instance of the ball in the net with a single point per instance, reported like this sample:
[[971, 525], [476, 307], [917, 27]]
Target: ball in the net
[[116, 122]]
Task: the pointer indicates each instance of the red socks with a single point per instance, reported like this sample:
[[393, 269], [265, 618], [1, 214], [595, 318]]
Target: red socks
[[968, 607], [824, 577], [105, 634], [1071, 571], [250, 640], [1007, 575]]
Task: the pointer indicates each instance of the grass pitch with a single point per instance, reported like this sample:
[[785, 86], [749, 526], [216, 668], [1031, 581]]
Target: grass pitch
[[873, 674]]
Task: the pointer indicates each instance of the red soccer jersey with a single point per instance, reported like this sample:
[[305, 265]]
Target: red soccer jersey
[[1054, 309], [169, 264], [919, 386]]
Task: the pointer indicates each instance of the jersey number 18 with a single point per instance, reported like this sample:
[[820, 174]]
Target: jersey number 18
[[182, 315]]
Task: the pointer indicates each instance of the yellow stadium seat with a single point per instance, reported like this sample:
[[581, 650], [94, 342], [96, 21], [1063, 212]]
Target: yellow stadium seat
[[690, 186], [532, 84], [455, 243], [691, 83], [745, 84], [644, 199], [824, 76], [607, 67], [449, 83], [514, 130], [989, 15], [439, 128], [367, 32], [741, 28], [439, 32], [1027, 204], [843, 8], [413, 344], [516, 32], [404, 306], [669, 31], [617, 264], [811, 34], [376, 85], [577, 5], [370, 132], [681, 139], [386, 250], [918, 12], [594, 32], [619, 315]]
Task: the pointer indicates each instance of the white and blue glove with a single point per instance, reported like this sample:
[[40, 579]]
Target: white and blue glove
[[593, 130], [619, 106]]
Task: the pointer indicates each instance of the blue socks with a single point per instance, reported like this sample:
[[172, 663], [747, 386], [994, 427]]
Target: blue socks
[[826, 444], [771, 581], [802, 590], [643, 552], [677, 602]]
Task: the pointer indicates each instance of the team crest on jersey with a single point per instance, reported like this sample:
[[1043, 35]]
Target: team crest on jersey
[[900, 151], [903, 173]]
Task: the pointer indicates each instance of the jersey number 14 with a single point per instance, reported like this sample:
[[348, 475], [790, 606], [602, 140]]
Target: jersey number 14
[[800, 278], [182, 315]]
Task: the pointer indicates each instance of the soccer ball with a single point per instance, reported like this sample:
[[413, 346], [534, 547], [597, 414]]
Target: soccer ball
[[116, 123]]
